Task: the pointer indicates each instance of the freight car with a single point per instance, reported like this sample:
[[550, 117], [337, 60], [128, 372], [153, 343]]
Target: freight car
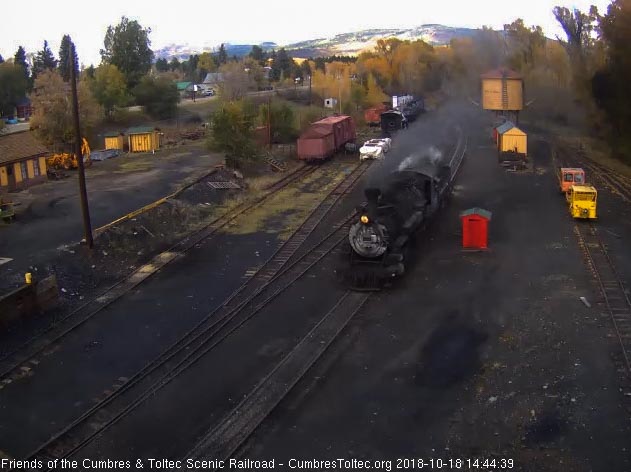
[[395, 210], [325, 137], [372, 116]]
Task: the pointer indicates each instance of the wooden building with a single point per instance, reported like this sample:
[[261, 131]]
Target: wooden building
[[511, 139], [502, 90], [114, 140], [144, 139], [22, 161]]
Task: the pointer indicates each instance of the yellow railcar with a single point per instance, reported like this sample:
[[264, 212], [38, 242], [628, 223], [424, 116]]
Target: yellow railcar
[[582, 201]]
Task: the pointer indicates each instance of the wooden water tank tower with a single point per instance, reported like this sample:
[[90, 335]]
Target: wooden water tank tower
[[503, 92]]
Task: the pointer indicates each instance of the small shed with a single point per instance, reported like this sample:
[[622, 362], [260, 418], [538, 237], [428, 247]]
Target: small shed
[[114, 140], [511, 139], [143, 139], [475, 228]]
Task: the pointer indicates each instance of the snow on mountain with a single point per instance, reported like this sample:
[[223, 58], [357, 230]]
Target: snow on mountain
[[341, 44]]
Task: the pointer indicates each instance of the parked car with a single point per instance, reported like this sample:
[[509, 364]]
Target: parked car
[[371, 150], [385, 142], [208, 93]]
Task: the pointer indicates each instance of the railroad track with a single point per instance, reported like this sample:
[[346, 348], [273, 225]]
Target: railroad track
[[620, 185], [273, 278], [225, 439], [14, 364], [612, 288]]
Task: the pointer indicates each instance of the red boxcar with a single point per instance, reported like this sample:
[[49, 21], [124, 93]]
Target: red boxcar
[[372, 116], [323, 138]]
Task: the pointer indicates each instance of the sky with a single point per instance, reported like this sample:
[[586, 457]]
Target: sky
[[246, 21]]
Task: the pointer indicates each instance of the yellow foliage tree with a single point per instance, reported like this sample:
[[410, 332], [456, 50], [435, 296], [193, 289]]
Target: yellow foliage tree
[[374, 93]]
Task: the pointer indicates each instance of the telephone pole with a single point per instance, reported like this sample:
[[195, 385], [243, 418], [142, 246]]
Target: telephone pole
[[269, 122], [83, 193]]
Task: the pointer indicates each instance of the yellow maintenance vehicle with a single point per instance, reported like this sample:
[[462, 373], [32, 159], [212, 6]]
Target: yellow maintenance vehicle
[[582, 201], [67, 161]]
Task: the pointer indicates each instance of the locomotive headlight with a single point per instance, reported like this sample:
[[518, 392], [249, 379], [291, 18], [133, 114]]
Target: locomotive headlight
[[364, 219]]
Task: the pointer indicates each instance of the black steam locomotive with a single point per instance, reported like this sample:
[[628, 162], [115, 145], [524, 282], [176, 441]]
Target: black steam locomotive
[[394, 211]]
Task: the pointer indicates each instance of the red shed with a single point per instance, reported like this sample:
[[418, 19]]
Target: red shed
[[326, 136], [475, 228]]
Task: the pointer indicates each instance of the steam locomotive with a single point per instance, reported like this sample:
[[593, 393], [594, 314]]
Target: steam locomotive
[[394, 211]]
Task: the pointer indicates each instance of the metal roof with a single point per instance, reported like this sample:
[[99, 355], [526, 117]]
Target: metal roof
[[182, 85], [501, 129], [113, 134], [315, 131], [17, 146], [477, 211], [332, 119], [140, 130]]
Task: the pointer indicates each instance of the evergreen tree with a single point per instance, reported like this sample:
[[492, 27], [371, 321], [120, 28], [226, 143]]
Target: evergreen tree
[[222, 55], [257, 54], [20, 60], [174, 64], [64, 58], [90, 71], [162, 65], [44, 60]]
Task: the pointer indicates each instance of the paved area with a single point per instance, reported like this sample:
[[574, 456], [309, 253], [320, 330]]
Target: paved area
[[135, 329], [49, 215], [486, 355], [474, 355]]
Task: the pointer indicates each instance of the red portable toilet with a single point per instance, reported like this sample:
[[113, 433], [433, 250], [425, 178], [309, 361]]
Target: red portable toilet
[[475, 228]]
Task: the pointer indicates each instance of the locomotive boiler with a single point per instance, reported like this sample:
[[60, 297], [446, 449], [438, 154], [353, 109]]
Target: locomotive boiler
[[395, 209]]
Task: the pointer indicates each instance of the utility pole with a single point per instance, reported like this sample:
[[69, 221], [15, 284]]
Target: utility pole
[[269, 122], [83, 193], [309, 89]]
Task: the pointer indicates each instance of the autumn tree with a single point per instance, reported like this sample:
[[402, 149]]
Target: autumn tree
[[237, 81], [205, 64], [282, 119], [610, 84], [128, 47], [52, 109], [109, 88], [580, 30], [65, 50], [233, 133], [374, 93]]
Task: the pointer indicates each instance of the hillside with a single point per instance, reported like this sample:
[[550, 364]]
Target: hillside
[[341, 44]]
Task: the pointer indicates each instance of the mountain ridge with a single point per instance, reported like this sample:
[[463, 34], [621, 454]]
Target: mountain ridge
[[351, 43]]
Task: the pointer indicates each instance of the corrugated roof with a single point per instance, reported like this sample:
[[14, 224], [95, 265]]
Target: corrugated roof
[[501, 129], [500, 73], [113, 134], [182, 85], [140, 130], [16, 146], [477, 211]]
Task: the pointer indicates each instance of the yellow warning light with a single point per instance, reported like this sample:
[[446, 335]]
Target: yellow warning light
[[364, 219]]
